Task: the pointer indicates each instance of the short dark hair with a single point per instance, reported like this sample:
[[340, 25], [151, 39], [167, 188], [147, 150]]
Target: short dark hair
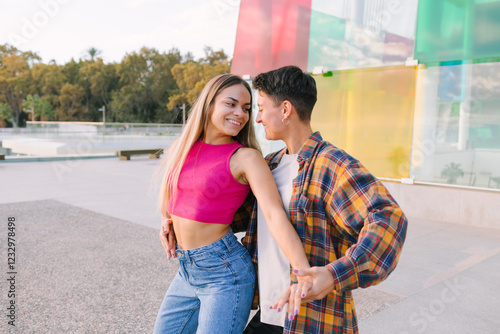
[[289, 83]]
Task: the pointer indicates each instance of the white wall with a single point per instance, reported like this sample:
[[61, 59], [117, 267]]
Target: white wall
[[452, 205]]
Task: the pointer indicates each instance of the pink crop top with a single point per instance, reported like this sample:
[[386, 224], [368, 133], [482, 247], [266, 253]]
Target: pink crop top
[[207, 191]]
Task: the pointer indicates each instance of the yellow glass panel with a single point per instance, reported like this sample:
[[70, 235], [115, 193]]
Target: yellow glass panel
[[369, 114]]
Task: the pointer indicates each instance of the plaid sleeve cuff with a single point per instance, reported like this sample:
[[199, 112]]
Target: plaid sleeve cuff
[[344, 274]]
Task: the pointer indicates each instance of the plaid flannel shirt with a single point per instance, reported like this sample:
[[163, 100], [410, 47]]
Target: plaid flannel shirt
[[347, 221]]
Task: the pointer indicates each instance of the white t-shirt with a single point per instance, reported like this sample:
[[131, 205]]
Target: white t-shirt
[[274, 267]]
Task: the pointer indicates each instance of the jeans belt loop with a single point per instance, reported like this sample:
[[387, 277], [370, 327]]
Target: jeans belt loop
[[226, 240], [184, 256]]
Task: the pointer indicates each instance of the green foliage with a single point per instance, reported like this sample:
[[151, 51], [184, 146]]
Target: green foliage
[[71, 106], [92, 53], [146, 83], [5, 112], [41, 107], [15, 80], [47, 81], [98, 80], [192, 76], [146, 86]]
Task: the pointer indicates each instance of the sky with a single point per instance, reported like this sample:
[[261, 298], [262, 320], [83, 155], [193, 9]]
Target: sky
[[63, 29]]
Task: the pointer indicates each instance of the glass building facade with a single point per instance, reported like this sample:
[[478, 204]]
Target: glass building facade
[[410, 88]]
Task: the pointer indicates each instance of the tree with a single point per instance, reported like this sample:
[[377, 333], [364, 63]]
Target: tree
[[98, 80], [42, 108], [47, 82], [192, 76], [5, 51], [146, 82], [5, 114], [452, 172], [15, 82], [93, 53], [146, 86], [71, 103], [71, 71], [213, 57]]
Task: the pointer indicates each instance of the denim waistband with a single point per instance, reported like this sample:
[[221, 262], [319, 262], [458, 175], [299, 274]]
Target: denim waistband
[[224, 244]]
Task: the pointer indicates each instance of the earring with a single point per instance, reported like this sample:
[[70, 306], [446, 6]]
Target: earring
[[283, 121]]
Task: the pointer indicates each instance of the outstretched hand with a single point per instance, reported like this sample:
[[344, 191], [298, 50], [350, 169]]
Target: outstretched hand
[[314, 283], [293, 296], [167, 237]]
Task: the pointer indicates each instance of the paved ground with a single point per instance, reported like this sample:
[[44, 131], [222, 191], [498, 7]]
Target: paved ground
[[83, 272], [88, 259]]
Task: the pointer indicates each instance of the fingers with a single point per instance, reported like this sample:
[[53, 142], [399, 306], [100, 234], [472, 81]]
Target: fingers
[[171, 243], [165, 223], [291, 302], [304, 272], [298, 292], [306, 293], [164, 243], [302, 291], [167, 237], [293, 297], [313, 283], [279, 305], [321, 280]]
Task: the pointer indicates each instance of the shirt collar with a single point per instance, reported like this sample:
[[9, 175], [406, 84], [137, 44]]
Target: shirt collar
[[275, 158], [305, 152]]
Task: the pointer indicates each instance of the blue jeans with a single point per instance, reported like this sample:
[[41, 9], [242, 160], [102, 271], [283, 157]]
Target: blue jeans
[[211, 293]]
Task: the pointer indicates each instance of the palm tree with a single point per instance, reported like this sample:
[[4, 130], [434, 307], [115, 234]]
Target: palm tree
[[93, 52], [452, 171]]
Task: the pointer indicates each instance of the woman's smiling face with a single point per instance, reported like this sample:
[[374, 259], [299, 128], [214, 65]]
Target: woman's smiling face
[[231, 112]]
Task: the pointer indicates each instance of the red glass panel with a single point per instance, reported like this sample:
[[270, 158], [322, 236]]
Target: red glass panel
[[271, 34]]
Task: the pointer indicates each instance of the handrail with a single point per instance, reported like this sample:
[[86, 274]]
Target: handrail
[[107, 123]]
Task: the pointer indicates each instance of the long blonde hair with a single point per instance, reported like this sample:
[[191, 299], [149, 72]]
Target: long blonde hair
[[196, 128]]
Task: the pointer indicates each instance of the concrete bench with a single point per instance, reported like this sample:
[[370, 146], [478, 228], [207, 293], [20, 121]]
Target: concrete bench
[[153, 153]]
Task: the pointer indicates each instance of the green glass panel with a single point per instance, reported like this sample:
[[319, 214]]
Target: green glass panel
[[326, 39], [452, 30]]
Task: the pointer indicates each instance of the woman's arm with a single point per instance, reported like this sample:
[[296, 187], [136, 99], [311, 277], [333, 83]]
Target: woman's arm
[[254, 170]]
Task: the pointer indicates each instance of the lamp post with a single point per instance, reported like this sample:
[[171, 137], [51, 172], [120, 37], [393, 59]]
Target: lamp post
[[103, 109], [183, 108], [183, 114], [32, 112]]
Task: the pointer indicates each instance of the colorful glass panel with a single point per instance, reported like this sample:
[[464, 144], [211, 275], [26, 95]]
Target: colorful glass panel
[[450, 30], [369, 114], [271, 34]]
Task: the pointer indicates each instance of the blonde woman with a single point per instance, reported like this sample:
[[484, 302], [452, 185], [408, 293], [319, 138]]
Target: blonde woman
[[208, 173]]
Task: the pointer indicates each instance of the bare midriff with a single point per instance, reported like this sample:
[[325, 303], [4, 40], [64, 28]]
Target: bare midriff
[[192, 234]]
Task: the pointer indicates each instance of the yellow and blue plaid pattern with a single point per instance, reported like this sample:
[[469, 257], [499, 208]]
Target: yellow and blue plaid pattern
[[347, 221]]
